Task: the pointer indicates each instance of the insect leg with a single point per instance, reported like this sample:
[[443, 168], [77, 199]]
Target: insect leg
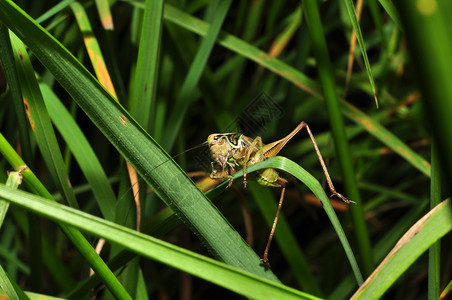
[[272, 231], [224, 174], [322, 163]]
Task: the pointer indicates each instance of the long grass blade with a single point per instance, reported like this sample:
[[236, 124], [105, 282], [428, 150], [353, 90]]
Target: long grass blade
[[143, 90], [10, 287], [13, 81], [338, 131], [82, 151], [357, 29], [40, 122], [434, 225], [206, 268]]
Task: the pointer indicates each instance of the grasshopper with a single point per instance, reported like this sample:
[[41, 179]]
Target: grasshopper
[[234, 151]]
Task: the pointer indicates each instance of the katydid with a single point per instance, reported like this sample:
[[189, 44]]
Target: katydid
[[233, 151]]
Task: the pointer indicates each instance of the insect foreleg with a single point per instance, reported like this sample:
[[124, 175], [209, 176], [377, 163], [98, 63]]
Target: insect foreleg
[[224, 174]]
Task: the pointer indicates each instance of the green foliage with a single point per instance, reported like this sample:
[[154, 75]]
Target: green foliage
[[165, 77]]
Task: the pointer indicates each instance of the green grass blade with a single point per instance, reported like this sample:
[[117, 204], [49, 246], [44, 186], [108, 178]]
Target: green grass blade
[[7, 58], [144, 84], [40, 122], [54, 10], [447, 290], [197, 67], [391, 11], [206, 268], [382, 247], [434, 254], [103, 8], [429, 37], [354, 20], [57, 267], [82, 151], [48, 145], [10, 287], [338, 131], [301, 81], [415, 242], [92, 47]]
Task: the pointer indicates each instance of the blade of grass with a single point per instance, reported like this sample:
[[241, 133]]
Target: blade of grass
[[391, 11], [357, 29], [13, 81], [144, 84], [40, 122], [198, 65], [351, 53], [434, 253], [48, 145], [301, 81], [206, 268], [10, 287], [427, 27], [103, 8], [101, 70], [430, 228], [82, 152], [384, 245], [447, 290], [338, 131], [54, 10], [144, 80], [92, 47], [302, 175], [281, 41]]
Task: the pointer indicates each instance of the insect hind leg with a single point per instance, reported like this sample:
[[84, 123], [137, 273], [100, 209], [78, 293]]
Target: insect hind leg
[[322, 163], [264, 258]]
